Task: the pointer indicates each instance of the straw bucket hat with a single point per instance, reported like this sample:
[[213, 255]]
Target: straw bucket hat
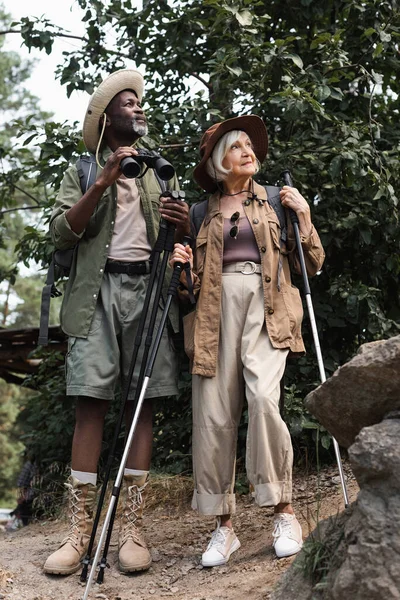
[[124, 79], [250, 124]]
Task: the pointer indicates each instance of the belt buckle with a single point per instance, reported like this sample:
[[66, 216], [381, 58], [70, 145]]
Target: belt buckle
[[253, 267]]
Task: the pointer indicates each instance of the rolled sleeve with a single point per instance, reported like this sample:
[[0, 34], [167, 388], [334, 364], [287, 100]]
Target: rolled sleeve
[[70, 192], [62, 234], [314, 254]]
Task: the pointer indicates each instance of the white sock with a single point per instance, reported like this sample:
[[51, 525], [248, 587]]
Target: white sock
[[84, 477], [136, 472]]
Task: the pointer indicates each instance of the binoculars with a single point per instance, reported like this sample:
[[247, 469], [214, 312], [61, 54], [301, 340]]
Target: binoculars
[[132, 166]]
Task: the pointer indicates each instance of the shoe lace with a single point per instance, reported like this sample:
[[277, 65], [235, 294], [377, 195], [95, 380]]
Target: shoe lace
[[131, 513], [218, 538], [282, 527], [74, 497]]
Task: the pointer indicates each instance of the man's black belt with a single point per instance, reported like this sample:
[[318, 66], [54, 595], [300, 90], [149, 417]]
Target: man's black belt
[[129, 268]]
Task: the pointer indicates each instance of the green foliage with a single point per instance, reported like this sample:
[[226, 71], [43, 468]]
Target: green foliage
[[19, 197], [10, 448], [45, 425], [325, 82], [49, 439], [305, 430], [173, 427], [325, 79]]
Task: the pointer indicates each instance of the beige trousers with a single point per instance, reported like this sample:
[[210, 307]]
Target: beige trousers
[[248, 367]]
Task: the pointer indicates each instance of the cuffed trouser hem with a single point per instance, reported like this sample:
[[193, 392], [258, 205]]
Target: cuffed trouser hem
[[271, 494], [214, 504]]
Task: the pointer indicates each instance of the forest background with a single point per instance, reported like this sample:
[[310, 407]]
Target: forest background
[[324, 76]]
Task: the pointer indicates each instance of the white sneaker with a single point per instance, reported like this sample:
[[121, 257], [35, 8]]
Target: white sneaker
[[223, 542], [288, 538]]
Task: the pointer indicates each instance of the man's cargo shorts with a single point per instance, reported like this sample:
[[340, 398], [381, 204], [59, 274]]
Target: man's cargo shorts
[[94, 364]]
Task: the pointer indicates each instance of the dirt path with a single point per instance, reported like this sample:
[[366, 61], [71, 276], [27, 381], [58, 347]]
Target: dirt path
[[177, 540]]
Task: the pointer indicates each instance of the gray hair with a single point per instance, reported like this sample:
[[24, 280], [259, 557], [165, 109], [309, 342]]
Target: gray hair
[[214, 166]]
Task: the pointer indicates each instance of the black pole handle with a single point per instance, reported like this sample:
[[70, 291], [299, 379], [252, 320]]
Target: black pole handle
[[187, 241], [287, 180]]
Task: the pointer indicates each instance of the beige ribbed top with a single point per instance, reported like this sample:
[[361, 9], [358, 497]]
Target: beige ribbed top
[[129, 241]]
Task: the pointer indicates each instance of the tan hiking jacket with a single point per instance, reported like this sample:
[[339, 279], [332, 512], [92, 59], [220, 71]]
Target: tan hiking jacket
[[283, 305]]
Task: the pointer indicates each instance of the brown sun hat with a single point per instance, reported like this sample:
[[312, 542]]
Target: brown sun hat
[[124, 79], [250, 124]]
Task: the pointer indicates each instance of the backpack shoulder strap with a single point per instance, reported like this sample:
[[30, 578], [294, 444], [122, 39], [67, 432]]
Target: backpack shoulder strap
[[87, 170], [49, 291], [197, 213], [274, 201], [161, 182]]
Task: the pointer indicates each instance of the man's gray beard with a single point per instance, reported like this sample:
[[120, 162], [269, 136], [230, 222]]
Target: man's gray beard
[[140, 130]]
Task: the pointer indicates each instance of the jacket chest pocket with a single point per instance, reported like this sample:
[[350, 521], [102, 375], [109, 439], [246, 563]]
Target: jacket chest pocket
[[155, 201], [275, 232]]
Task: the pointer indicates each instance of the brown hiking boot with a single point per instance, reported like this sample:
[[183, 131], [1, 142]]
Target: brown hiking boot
[[67, 559], [133, 552]]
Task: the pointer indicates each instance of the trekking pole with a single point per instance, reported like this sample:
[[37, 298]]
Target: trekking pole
[[287, 178], [167, 245], [149, 369], [168, 248], [159, 247], [86, 561]]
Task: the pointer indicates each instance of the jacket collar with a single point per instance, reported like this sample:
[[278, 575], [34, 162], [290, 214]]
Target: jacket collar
[[260, 191], [214, 201], [213, 207]]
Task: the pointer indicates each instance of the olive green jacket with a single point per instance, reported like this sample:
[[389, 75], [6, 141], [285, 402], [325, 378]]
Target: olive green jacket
[[282, 303], [92, 245]]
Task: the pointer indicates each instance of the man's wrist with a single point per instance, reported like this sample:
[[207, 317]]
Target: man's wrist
[[100, 185]]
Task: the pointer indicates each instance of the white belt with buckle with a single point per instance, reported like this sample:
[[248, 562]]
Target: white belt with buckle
[[248, 267]]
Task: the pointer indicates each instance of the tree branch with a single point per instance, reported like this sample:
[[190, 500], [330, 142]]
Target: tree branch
[[8, 210], [183, 145], [10, 31], [70, 36], [203, 81], [65, 35], [25, 192]]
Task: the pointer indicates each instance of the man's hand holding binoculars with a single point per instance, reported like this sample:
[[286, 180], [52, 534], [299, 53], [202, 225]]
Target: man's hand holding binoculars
[[112, 168], [173, 207]]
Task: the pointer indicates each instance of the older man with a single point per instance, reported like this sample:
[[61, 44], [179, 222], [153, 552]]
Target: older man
[[113, 227]]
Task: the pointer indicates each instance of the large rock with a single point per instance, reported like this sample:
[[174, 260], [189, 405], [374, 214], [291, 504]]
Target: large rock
[[358, 550], [360, 393], [371, 569]]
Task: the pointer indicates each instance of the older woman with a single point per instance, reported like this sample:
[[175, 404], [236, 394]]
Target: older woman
[[248, 317]]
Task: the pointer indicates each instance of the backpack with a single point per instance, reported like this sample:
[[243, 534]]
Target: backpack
[[199, 209], [61, 260]]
